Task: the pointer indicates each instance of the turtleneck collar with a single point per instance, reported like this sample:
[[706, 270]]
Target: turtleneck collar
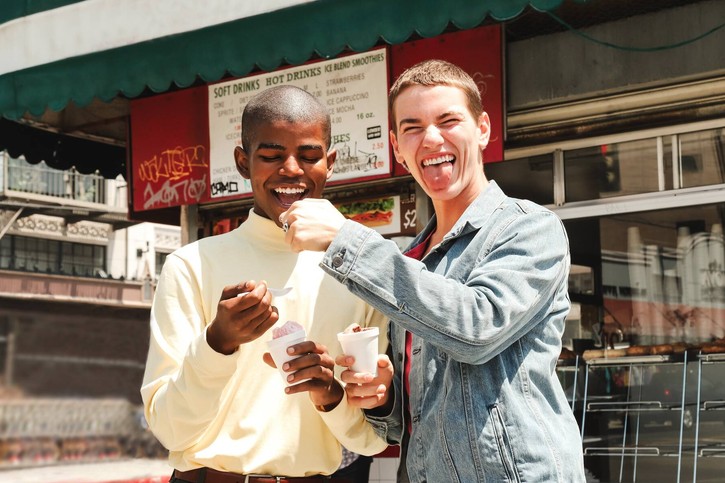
[[257, 229]]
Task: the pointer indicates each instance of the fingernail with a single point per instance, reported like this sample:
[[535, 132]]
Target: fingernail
[[285, 367]]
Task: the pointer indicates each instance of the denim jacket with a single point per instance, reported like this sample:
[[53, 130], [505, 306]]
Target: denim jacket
[[486, 308]]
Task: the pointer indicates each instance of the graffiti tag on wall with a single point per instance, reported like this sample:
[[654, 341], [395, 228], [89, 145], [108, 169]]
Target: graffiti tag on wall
[[182, 172]]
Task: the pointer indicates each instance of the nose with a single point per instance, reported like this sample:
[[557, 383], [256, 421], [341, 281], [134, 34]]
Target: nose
[[432, 137], [291, 167]]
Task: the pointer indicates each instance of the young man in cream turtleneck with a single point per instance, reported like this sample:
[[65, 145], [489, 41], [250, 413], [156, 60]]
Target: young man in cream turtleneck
[[209, 397]]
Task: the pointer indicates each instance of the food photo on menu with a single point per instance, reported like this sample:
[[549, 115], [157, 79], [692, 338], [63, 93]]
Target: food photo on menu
[[373, 213]]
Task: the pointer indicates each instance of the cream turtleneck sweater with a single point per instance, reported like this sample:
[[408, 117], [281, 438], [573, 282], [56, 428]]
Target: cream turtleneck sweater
[[230, 412]]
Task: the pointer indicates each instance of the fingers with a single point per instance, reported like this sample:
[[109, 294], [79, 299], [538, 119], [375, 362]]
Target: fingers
[[259, 319], [231, 291], [315, 378], [244, 313], [312, 224], [311, 355], [314, 366], [365, 402], [366, 390]]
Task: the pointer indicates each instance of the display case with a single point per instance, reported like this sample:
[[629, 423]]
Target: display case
[[634, 409], [651, 417], [568, 371], [711, 409]]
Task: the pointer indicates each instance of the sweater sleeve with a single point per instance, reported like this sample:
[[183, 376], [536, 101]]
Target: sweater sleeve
[[185, 378], [349, 426]]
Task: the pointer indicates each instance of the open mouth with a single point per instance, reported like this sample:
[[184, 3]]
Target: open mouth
[[289, 195], [448, 158]]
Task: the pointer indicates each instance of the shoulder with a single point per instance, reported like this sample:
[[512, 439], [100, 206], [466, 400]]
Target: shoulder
[[201, 249], [527, 224], [512, 212]]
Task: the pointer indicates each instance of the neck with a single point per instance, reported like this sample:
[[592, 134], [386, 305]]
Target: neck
[[448, 212]]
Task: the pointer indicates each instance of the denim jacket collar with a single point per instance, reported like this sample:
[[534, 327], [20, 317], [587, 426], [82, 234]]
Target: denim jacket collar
[[472, 219]]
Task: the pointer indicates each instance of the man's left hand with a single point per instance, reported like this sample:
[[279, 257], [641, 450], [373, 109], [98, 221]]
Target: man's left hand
[[315, 367]]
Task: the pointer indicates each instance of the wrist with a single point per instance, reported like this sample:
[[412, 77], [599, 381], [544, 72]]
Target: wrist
[[326, 408], [333, 399], [217, 345]]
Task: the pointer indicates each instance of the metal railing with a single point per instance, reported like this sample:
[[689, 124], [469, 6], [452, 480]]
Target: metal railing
[[18, 175]]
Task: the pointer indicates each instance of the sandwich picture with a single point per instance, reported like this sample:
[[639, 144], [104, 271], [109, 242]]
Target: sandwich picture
[[371, 213]]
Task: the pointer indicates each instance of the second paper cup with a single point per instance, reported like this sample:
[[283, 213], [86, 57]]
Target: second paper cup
[[363, 346]]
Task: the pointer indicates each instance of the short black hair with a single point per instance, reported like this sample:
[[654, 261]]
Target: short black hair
[[286, 103]]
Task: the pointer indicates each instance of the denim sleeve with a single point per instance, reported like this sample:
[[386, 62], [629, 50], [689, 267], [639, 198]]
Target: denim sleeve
[[517, 277]]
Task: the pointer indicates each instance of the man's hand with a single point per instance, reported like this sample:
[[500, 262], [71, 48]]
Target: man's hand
[[244, 313], [315, 367], [362, 388], [312, 224]]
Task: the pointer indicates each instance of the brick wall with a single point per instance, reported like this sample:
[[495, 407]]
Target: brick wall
[[81, 350]]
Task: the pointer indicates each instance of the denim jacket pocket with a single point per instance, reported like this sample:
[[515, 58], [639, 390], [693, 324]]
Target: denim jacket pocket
[[505, 447], [446, 453]]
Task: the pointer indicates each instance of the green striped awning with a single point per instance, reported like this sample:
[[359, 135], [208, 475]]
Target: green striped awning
[[53, 52]]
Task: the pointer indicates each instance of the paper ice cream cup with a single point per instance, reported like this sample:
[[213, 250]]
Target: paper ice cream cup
[[363, 346], [278, 349]]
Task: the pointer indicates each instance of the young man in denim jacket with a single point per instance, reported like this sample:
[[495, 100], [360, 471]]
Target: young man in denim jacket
[[477, 304]]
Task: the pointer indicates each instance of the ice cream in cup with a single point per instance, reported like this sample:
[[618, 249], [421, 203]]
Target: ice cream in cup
[[362, 344], [289, 334]]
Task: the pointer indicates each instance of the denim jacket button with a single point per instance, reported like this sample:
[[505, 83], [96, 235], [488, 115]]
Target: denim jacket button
[[337, 260]]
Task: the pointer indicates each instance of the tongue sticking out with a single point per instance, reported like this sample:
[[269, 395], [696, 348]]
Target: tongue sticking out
[[438, 176]]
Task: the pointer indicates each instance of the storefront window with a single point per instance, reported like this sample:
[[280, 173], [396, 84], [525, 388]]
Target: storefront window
[[662, 273], [647, 289], [702, 158], [611, 170], [536, 170]]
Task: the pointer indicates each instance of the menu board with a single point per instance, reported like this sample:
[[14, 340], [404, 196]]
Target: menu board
[[354, 90]]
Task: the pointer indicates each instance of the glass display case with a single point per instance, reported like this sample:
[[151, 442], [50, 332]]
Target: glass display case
[[650, 417]]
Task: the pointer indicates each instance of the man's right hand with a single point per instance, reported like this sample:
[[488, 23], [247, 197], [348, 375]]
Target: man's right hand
[[241, 318], [364, 390]]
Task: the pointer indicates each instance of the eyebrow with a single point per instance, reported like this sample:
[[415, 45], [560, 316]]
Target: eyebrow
[[279, 147], [307, 147], [276, 146]]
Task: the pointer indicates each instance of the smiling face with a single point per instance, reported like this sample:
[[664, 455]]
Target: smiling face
[[441, 143], [287, 161]]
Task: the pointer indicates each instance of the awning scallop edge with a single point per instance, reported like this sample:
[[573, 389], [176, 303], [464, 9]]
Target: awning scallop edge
[[293, 35]]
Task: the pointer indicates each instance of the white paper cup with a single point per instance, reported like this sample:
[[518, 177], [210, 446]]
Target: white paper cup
[[363, 346], [278, 350]]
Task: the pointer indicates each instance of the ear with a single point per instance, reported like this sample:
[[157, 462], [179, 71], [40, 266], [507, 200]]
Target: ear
[[331, 157], [242, 161], [396, 151], [484, 125]]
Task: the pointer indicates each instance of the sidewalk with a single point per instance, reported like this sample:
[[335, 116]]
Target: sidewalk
[[125, 471]]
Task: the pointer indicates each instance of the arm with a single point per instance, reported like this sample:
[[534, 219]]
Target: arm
[[347, 420], [376, 395], [185, 378], [512, 283]]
